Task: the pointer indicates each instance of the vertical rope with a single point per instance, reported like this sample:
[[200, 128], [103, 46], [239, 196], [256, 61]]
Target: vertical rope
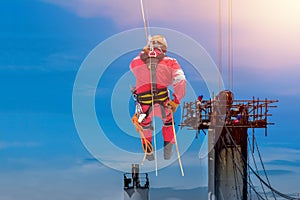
[[257, 171], [148, 28], [147, 33], [220, 46], [153, 120], [249, 177], [263, 166], [144, 20], [229, 44], [236, 185], [154, 138], [176, 145], [250, 183], [258, 176]]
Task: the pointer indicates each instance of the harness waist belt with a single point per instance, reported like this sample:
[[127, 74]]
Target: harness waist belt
[[159, 96]]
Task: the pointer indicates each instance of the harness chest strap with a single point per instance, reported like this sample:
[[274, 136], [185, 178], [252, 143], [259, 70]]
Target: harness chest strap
[[152, 60]]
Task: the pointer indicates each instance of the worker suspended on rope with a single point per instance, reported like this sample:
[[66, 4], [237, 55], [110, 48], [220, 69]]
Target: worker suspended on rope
[[155, 72]]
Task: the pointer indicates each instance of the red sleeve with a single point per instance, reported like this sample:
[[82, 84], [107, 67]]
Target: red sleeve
[[179, 81]]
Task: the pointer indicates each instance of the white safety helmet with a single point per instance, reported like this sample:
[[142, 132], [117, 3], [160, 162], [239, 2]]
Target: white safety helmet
[[159, 41]]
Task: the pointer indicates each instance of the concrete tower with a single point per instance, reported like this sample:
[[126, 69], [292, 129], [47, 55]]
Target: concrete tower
[[227, 121]]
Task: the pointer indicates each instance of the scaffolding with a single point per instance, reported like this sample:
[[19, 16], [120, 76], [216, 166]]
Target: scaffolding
[[200, 115]]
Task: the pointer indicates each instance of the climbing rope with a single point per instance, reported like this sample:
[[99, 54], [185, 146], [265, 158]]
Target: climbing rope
[[146, 146], [220, 44], [144, 21], [256, 174], [241, 170], [147, 34], [262, 164], [254, 162], [229, 43], [176, 144], [237, 185], [145, 143], [153, 115]]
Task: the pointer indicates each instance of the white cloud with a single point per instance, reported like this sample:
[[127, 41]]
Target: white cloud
[[126, 13], [70, 184], [265, 33], [122, 11]]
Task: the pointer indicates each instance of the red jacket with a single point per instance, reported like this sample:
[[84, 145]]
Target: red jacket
[[168, 72]]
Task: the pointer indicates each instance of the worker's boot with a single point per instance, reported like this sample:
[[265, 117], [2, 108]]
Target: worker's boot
[[150, 157], [168, 150]]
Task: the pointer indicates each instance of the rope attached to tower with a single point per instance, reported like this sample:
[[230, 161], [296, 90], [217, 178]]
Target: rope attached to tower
[[253, 171], [147, 146], [229, 44]]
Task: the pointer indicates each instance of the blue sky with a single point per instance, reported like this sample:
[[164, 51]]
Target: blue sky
[[43, 44]]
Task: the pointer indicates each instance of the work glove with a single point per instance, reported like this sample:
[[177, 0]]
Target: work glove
[[173, 104], [135, 121]]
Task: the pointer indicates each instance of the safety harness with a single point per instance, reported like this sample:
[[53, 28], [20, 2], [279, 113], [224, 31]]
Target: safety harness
[[155, 96], [158, 96]]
